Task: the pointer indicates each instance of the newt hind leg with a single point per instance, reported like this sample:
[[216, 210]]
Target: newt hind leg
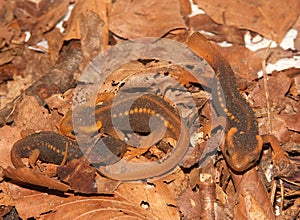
[[283, 166]]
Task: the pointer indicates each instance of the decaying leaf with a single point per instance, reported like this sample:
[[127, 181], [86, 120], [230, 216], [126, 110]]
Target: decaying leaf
[[150, 18], [40, 17], [27, 176], [89, 21], [154, 197], [217, 32], [261, 16]]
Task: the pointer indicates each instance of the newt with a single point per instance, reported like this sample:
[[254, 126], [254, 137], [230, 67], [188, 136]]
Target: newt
[[243, 144], [52, 146], [143, 108], [47, 146]]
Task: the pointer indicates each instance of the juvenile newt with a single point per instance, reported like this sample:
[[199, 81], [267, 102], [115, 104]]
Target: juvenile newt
[[243, 145]]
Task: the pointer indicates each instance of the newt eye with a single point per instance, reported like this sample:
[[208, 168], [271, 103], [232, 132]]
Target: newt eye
[[229, 152], [252, 160]]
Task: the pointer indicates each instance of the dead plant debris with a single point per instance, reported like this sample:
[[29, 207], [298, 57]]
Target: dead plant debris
[[45, 46]]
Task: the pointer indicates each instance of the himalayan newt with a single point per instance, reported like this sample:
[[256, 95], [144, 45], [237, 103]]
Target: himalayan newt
[[143, 108], [52, 146], [47, 146], [243, 145]]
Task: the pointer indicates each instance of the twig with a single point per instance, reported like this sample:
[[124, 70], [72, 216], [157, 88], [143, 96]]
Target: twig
[[265, 79]]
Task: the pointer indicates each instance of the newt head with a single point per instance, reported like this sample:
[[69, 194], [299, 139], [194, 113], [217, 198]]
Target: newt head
[[241, 150]]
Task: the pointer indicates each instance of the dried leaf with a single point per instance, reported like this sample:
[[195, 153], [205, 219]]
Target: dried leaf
[[154, 197], [33, 116], [218, 32], [260, 16], [41, 17], [185, 7], [89, 21], [26, 175], [79, 175], [250, 182], [150, 18], [244, 62]]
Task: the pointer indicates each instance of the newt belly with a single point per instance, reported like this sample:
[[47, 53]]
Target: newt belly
[[243, 145]]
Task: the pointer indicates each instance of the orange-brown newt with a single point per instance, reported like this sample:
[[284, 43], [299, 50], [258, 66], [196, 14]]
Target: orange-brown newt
[[142, 109], [243, 145]]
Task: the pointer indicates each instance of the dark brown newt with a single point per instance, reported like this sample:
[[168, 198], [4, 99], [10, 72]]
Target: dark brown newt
[[243, 145], [47, 146], [52, 146]]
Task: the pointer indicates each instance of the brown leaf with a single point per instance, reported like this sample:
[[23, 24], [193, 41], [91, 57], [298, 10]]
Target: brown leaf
[[26, 175], [250, 183], [285, 127], [32, 204], [98, 208], [79, 175], [39, 18], [33, 116], [150, 18], [219, 32], [244, 62], [278, 86], [260, 16], [155, 197], [54, 40], [9, 135], [89, 22], [189, 204], [185, 7]]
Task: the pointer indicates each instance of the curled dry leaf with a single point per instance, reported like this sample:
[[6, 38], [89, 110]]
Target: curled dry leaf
[[150, 18]]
